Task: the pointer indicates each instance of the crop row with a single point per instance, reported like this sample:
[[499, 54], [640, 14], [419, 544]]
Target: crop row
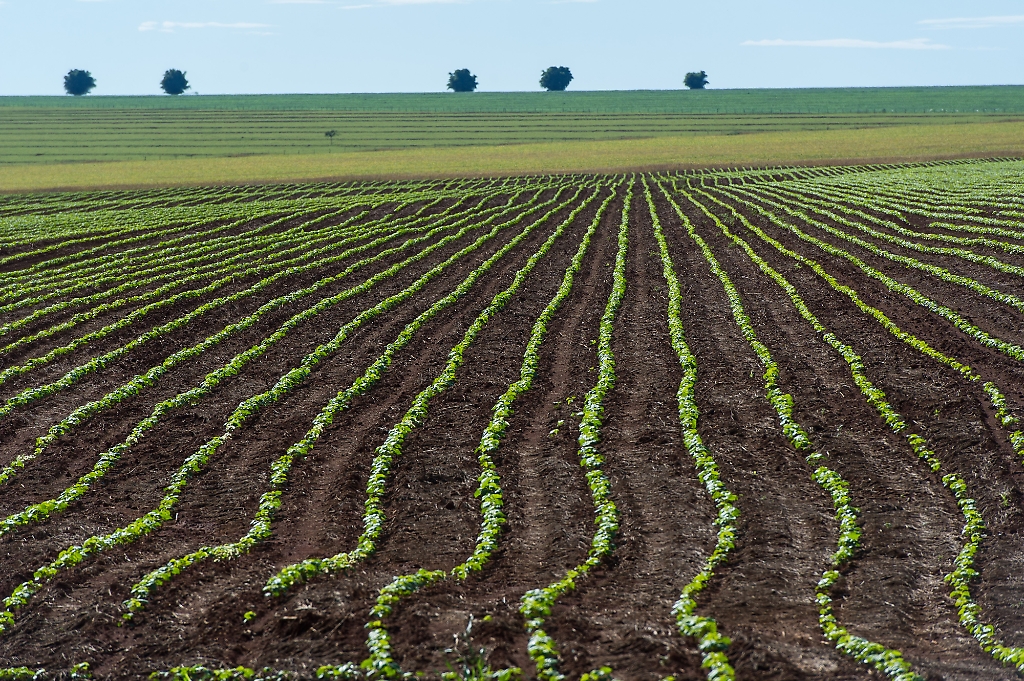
[[536, 604], [260, 527], [243, 414], [218, 257], [146, 380], [130, 270], [373, 515], [380, 663], [989, 389], [829, 208], [264, 239], [710, 642], [974, 529], [304, 258], [109, 458], [957, 321], [886, 660]]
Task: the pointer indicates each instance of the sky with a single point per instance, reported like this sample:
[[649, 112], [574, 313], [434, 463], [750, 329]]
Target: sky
[[291, 46]]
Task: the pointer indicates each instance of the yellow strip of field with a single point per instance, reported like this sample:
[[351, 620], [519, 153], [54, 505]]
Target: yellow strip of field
[[894, 144]]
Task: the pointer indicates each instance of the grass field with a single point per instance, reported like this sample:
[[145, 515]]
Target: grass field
[[68, 135], [142, 141], [63, 129], [902, 143], [703, 426]]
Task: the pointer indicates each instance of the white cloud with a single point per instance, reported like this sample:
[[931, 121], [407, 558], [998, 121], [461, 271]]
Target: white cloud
[[974, 22], [170, 26], [912, 44]]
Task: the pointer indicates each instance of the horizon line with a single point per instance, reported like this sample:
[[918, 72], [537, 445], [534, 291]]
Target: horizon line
[[500, 92]]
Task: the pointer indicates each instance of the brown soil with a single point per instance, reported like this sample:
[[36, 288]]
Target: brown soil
[[620, 614]]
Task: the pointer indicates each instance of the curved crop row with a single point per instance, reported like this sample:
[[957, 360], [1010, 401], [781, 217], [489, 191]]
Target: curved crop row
[[704, 629], [246, 410], [974, 529], [141, 382], [380, 663], [373, 515], [42, 510], [956, 319], [536, 604], [265, 261], [826, 207], [189, 248], [90, 281], [110, 266], [149, 231], [204, 265], [886, 660], [991, 391], [961, 253], [876, 201], [260, 528], [232, 270], [939, 272], [18, 283], [94, 265], [856, 201], [307, 260]]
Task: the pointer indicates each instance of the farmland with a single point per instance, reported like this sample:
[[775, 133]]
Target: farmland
[[131, 142], [704, 424], [29, 135]]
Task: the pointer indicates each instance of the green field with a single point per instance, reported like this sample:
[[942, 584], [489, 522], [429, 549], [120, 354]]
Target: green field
[[63, 135], [63, 129], [877, 145], [68, 142]]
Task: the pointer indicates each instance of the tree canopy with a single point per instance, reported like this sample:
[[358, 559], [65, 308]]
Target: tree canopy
[[461, 80], [174, 82], [696, 80], [555, 78], [78, 82]]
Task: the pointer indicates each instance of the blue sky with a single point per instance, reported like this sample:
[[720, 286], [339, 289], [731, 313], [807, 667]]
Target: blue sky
[[252, 46]]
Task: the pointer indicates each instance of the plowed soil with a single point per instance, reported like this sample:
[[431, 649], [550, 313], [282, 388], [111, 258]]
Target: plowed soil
[[620, 615]]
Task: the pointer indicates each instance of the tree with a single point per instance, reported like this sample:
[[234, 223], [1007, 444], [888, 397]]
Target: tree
[[174, 82], [696, 80], [78, 82], [555, 78], [330, 135], [461, 81]]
